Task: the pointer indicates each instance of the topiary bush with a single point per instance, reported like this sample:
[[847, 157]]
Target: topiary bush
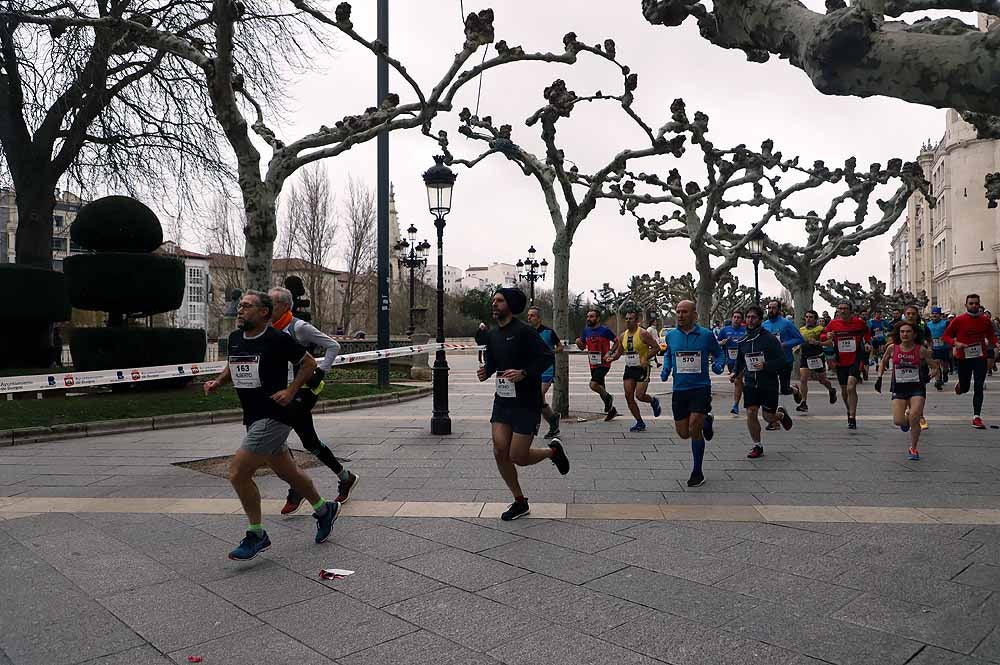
[[143, 284], [117, 224], [35, 297]]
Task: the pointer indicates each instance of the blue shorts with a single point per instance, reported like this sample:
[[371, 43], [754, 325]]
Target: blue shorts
[[549, 375]]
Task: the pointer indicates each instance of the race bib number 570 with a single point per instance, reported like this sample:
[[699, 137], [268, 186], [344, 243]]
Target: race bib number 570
[[245, 371]]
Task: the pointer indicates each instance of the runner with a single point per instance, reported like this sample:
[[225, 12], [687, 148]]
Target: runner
[[966, 335], [759, 362], [730, 338], [909, 392], [847, 334], [518, 357], [309, 337], [551, 339], [911, 314], [654, 330], [941, 351], [596, 340], [878, 327], [638, 347], [689, 346], [258, 367], [789, 336], [811, 361]]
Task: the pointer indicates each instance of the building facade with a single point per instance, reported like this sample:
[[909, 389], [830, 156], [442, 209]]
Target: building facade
[[67, 207], [193, 312]]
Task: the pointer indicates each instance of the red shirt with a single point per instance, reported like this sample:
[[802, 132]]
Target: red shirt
[[971, 330], [848, 338]]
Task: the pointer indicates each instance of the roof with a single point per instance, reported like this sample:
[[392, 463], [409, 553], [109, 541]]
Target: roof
[[172, 248]]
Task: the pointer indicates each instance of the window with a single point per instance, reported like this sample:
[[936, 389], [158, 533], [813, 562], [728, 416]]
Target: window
[[196, 293], [194, 275], [59, 244], [192, 311], [57, 220]]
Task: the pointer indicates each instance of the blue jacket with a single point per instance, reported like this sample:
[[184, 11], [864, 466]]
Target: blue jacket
[[786, 332], [701, 340]]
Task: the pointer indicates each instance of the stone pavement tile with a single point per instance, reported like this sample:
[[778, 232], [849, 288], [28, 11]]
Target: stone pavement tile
[[984, 534], [982, 575], [787, 559], [710, 498], [176, 614], [820, 637], [682, 536], [931, 655], [91, 633], [547, 496], [41, 524], [687, 564], [539, 510], [612, 512], [264, 588], [639, 485], [470, 620], [674, 595], [954, 628], [144, 655], [564, 564], [384, 543], [711, 513], [566, 604], [791, 536], [461, 569], [610, 525], [260, 646], [576, 537], [337, 625], [904, 549], [964, 515], [723, 528], [921, 583], [798, 593], [989, 649], [494, 522], [86, 492], [419, 648], [805, 499], [371, 508], [803, 514], [986, 553], [439, 509], [611, 496], [404, 495], [881, 515], [561, 646], [451, 532]]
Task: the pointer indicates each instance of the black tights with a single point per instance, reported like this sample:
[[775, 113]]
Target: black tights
[[302, 423], [967, 369]]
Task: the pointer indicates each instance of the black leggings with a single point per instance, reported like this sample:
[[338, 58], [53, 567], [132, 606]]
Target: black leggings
[[785, 377], [967, 369], [302, 423]]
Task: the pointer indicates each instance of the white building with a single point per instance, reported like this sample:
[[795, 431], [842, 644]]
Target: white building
[[899, 259], [67, 207], [495, 274], [193, 312]]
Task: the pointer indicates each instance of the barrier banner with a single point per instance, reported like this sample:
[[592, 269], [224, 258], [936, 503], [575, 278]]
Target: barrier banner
[[105, 377]]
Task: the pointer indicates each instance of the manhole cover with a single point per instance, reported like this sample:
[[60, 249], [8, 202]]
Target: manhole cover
[[219, 466]]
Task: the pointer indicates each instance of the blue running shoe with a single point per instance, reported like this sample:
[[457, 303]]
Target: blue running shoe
[[912, 455], [708, 429], [736, 409], [324, 521], [638, 427], [657, 409], [250, 546], [904, 428]]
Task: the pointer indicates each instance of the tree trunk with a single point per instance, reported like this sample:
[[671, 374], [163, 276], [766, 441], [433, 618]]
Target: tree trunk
[[704, 290], [803, 291], [260, 232], [560, 319], [36, 203]]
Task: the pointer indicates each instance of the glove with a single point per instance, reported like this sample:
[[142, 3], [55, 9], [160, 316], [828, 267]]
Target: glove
[[315, 379], [878, 385], [718, 366], [664, 373]]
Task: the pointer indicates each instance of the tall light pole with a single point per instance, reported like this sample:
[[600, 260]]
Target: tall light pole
[[382, 187], [412, 255], [756, 248], [440, 180], [530, 270]]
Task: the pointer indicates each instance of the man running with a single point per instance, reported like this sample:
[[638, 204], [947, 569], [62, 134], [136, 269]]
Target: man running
[[908, 389], [847, 334], [654, 330], [596, 340], [941, 352], [812, 364], [967, 334], [638, 347], [730, 338], [689, 346], [258, 367], [879, 328], [551, 339], [790, 337], [759, 362], [309, 337], [518, 357]]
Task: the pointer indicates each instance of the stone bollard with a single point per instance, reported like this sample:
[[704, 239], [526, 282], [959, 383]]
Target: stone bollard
[[420, 371]]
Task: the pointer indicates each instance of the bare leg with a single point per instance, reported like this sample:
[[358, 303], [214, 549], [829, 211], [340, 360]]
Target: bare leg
[[630, 399], [501, 453], [753, 425], [286, 469], [547, 411], [852, 396], [600, 390], [640, 392], [241, 471], [737, 390], [916, 413], [825, 382], [899, 412], [522, 454], [804, 383], [694, 423]]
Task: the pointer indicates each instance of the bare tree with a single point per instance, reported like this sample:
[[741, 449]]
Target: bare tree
[[873, 299], [311, 206], [220, 235], [358, 218]]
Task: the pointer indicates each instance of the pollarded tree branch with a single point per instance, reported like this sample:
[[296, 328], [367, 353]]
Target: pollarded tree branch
[[896, 8]]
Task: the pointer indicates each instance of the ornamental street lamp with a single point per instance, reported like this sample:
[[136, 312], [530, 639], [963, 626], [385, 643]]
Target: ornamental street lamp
[[440, 180], [755, 245], [412, 255], [530, 270]]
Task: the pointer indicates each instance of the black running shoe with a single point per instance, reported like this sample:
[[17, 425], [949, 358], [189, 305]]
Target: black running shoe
[[786, 420], [345, 487], [611, 414], [708, 429], [755, 452], [553, 427], [325, 520], [773, 427], [833, 395], [802, 408], [852, 423], [696, 480], [559, 456], [796, 394], [515, 510]]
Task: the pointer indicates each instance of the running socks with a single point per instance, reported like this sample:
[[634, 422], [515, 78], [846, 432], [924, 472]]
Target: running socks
[[318, 506], [344, 474], [257, 529], [697, 454]]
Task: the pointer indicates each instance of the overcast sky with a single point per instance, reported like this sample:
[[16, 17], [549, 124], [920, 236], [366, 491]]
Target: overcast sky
[[497, 212]]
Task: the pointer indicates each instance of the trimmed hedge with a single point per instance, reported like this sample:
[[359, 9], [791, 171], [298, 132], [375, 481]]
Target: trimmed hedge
[[140, 284], [25, 344], [117, 224], [122, 348], [34, 294]]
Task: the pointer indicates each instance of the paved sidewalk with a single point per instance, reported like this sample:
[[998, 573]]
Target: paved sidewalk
[[126, 564]]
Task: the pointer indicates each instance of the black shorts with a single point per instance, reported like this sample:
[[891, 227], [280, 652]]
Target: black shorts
[[598, 374], [640, 374], [765, 397], [685, 402], [522, 419], [908, 390], [943, 353], [843, 373], [822, 368]]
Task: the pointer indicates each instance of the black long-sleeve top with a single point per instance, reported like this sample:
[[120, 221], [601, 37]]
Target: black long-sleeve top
[[760, 344], [519, 346]]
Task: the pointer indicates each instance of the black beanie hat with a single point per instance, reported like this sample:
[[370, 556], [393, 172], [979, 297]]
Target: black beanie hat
[[515, 298]]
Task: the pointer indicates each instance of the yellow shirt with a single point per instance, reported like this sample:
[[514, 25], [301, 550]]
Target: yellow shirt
[[632, 343]]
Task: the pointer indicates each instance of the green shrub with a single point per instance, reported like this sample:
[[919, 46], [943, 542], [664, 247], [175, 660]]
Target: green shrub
[[131, 283], [117, 224], [126, 348], [32, 293], [25, 344]]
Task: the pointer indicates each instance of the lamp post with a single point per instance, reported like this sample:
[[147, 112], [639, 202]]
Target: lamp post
[[530, 270], [412, 255], [440, 180], [756, 248]]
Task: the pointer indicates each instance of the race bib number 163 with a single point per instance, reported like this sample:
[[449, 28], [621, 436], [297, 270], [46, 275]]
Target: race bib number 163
[[245, 371]]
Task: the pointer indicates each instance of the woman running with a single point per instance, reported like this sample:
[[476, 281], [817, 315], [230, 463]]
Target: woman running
[[908, 389]]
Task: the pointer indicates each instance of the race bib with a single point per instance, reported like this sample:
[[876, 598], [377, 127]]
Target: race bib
[[733, 353], [847, 345], [631, 359], [505, 388], [937, 343], [688, 362], [755, 361], [245, 371], [907, 375], [974, 351], [596, 359], [814, 363]]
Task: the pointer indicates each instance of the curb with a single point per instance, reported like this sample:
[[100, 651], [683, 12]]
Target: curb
[[17, 437]]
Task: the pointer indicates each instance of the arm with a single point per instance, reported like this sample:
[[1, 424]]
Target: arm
[[649, 340], [306, 367], [718, 355], [741, 365], [580, 344], [615, 352], [217, 382], [489, 363], [935, 366], [885, 360], [949, 335], [794, 337], [774, 355], [310, 334]]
